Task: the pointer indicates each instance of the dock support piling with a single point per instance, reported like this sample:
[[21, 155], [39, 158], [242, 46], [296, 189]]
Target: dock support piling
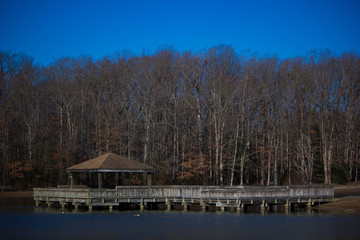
[[308, 205], [238, 208], [203, 205], [168, 204], [142, 205], [262, 206], [287, 205]]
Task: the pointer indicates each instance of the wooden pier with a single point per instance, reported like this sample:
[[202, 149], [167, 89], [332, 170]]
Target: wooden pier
[[238, 197]]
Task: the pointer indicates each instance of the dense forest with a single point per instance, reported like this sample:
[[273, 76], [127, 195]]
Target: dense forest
[[211, 117]]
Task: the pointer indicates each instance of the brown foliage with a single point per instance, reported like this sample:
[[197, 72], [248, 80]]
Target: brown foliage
[[194, 170], [21, 169]]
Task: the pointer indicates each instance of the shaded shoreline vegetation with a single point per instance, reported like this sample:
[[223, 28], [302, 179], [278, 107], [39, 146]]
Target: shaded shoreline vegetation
[[210, 117]]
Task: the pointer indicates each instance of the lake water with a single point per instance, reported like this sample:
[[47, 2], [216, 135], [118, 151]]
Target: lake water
[[19, 219]]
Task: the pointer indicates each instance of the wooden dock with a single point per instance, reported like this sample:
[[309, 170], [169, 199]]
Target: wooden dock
[[238, 197]]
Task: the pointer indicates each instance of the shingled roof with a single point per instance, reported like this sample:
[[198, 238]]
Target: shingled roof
[[110, 162]]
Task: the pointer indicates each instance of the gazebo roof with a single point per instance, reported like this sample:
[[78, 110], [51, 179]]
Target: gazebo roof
[[110, 162]]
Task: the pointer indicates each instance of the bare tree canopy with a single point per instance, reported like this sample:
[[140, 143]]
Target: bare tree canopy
[[211, 117]]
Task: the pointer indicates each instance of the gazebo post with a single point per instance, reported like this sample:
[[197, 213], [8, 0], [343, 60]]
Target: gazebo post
[[116, 178], [90, 178], [149, 179], [122, 177], [99, 180], [71, 180]]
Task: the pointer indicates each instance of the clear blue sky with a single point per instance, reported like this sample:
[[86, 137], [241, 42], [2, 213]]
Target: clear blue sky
[[50, 29]]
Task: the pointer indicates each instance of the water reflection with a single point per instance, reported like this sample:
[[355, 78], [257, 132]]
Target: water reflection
[[28, 205], [85, 211], [22, 220]]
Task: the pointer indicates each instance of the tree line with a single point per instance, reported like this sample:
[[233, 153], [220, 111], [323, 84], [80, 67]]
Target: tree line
[[209, 117]]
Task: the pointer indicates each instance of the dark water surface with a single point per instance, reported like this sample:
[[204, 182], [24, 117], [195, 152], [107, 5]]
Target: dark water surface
[[19, 219]]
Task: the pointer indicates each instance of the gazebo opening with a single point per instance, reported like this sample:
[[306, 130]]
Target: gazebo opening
[[110, 170]]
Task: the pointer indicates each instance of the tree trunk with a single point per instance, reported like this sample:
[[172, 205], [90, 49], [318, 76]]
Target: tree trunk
[[269, 159], [147, 137], [235, 153], [221, 157]]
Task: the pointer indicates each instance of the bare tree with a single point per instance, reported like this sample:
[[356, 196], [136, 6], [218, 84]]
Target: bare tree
[[210, 117]]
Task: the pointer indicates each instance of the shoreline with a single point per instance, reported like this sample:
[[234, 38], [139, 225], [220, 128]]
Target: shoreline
[[17, 194], [346, 190], [346, 200], [344, 205]]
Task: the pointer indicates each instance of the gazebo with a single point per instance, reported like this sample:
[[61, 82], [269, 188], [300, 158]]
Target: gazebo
[[110, 163]]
